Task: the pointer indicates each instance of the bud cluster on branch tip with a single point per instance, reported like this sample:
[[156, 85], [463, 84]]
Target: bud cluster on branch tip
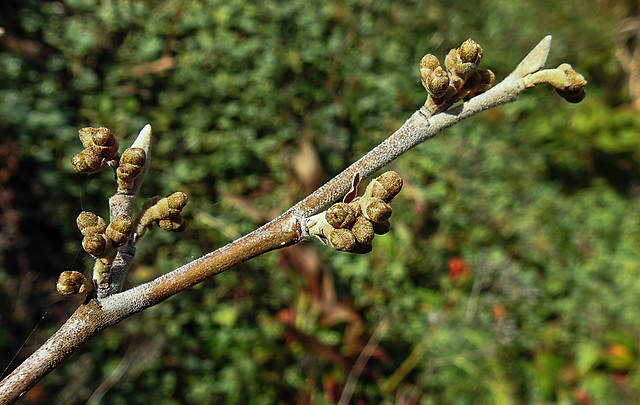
[[460, 79], [351, 226], [73, 282], [165, 211], [100, 148], [131, 165]]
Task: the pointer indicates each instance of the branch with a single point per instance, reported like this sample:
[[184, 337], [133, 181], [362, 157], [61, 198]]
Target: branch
[[290, 227]]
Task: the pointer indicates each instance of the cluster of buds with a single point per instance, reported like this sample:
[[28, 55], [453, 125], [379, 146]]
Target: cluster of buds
[[100, 148], [459, 80], [164, 211], [351, 225], [102, 241]]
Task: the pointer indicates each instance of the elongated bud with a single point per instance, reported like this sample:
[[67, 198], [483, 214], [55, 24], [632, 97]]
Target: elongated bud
[[73, 282], [119, 230], [340, 215], [90, 223], [363, 230], [342, 239]]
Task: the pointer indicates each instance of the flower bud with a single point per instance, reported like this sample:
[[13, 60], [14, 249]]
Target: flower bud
[[374, 209], [97, 245], [73, 282], [88, 162], [438, 83], [385, 187], [470, 51], [340, 215], [90, 223], [173, 224], [342, 239], [176, 202], [119, 230], [363, 230], [131, 165], [100, 140]]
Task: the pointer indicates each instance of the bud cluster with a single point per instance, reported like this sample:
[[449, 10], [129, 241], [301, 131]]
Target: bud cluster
[[460, 79], [100, 148], [102, 240], [164, 211], [351, 226]]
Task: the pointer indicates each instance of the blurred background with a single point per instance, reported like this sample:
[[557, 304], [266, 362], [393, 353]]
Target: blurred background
[[511, 274]]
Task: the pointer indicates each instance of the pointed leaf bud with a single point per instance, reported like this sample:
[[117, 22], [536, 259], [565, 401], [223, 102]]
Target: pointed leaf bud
[[340, 215]]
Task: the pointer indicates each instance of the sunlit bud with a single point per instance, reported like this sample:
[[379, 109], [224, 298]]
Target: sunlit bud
[[470, 51], [342, 239], [73, 282], [97, 245], [340, 215], [119, 229], [100, 140], [131, 165], [87, 162], [385, 187], [90, 223], [438, 83], [363, 230], [374, 209]]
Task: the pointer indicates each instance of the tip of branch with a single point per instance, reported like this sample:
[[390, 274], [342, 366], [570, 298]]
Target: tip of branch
[[143, 140], [535, 60]]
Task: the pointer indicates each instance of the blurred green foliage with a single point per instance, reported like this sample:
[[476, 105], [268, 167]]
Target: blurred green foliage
[[539, 200]]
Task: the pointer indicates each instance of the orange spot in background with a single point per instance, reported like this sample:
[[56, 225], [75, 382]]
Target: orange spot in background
[[457, 268]]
